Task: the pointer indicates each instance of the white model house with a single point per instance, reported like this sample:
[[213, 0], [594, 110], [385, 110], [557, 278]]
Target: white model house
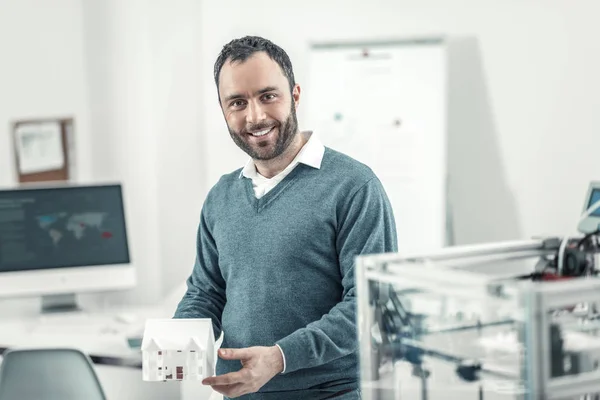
[[178, 349]]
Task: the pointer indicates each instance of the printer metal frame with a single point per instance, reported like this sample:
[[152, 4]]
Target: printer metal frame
[[443, 271]]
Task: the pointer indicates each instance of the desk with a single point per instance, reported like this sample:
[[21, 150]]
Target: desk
[[103, 337]]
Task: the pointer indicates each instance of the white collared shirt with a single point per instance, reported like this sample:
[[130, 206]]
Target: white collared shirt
[[311, 154]]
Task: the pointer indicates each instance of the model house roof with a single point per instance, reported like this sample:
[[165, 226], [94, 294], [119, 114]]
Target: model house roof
[[178, 334], [194, 345], [152, 345]]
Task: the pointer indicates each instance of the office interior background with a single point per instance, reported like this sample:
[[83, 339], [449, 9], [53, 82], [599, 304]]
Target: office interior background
[[136, 76]]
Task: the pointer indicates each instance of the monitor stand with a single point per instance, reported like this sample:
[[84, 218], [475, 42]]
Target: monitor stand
[[59, 303]]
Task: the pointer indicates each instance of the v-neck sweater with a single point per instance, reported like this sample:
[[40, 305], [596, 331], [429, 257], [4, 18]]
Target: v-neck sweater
[[280, 269]]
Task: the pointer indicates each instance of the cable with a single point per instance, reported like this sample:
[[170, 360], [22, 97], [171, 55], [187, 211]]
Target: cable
[[561, 255], [587, 237]]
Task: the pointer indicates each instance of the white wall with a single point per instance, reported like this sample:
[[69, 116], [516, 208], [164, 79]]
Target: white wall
[[42, 73], [128, 73], [143, 62], [180, 135], [537, 66], [137, 76], [119, 64]]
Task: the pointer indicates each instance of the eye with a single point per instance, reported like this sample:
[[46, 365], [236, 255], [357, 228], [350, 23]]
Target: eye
[[237, 103], [269, 96]]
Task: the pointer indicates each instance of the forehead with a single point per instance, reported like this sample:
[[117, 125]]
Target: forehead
[[255, 73]]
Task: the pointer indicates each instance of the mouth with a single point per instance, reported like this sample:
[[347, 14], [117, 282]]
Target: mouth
[[262, 133]]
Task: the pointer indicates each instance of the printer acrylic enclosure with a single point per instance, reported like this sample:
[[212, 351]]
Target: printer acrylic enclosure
[[466, 323]]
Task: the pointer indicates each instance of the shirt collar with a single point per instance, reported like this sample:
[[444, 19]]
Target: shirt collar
[[311, 154]]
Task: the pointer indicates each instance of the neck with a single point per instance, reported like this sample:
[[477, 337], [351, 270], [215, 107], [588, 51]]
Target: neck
[[270, 168]]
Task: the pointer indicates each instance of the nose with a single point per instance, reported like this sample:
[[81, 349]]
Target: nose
[[254, 113]]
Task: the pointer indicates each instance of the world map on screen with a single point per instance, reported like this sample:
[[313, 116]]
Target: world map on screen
[[79, 225]]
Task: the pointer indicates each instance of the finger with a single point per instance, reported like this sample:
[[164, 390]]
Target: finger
[[226, 379], [231, 391], [235, 354]]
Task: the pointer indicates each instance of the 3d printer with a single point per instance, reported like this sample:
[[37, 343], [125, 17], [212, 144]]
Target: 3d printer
[[509, 320]]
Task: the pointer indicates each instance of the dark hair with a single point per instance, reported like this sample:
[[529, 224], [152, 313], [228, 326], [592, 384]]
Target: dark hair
[[241, 49]]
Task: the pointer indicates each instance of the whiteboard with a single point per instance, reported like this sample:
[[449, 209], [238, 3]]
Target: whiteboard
[[384, 104]]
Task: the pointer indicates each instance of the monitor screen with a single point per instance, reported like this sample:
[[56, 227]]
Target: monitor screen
[[71, 226], [595, 197]]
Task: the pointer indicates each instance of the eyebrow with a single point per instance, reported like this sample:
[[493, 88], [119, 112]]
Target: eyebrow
[[261, 91]]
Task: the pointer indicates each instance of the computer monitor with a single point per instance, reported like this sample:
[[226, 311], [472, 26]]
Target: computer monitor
[[57, 241], [590, 220]]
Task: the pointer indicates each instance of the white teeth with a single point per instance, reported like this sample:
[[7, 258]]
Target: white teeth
[[261, 133]]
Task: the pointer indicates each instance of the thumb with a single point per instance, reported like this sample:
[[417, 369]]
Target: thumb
[[234, 354]]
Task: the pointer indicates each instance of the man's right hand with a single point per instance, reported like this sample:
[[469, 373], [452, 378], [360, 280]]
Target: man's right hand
[[259, 366]]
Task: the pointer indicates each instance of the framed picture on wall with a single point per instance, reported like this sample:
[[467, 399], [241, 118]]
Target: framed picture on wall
[[42, 149]]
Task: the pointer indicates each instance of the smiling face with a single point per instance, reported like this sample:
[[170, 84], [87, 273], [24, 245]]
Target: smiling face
[[258, 107]]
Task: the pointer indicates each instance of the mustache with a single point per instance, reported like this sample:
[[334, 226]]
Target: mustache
[[259, 127]]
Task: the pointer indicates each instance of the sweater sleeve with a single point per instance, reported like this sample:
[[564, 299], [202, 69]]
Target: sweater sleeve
[[205, 295], [365, 226]]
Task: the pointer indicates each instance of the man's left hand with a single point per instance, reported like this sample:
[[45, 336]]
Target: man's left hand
[[259, 366]]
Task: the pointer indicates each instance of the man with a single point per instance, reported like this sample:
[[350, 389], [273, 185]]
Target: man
[[277, 241]]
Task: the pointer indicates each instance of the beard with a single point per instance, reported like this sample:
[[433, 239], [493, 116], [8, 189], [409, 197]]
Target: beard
[[265, 150]]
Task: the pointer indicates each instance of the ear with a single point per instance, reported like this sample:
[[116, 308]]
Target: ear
[[296, 95]]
